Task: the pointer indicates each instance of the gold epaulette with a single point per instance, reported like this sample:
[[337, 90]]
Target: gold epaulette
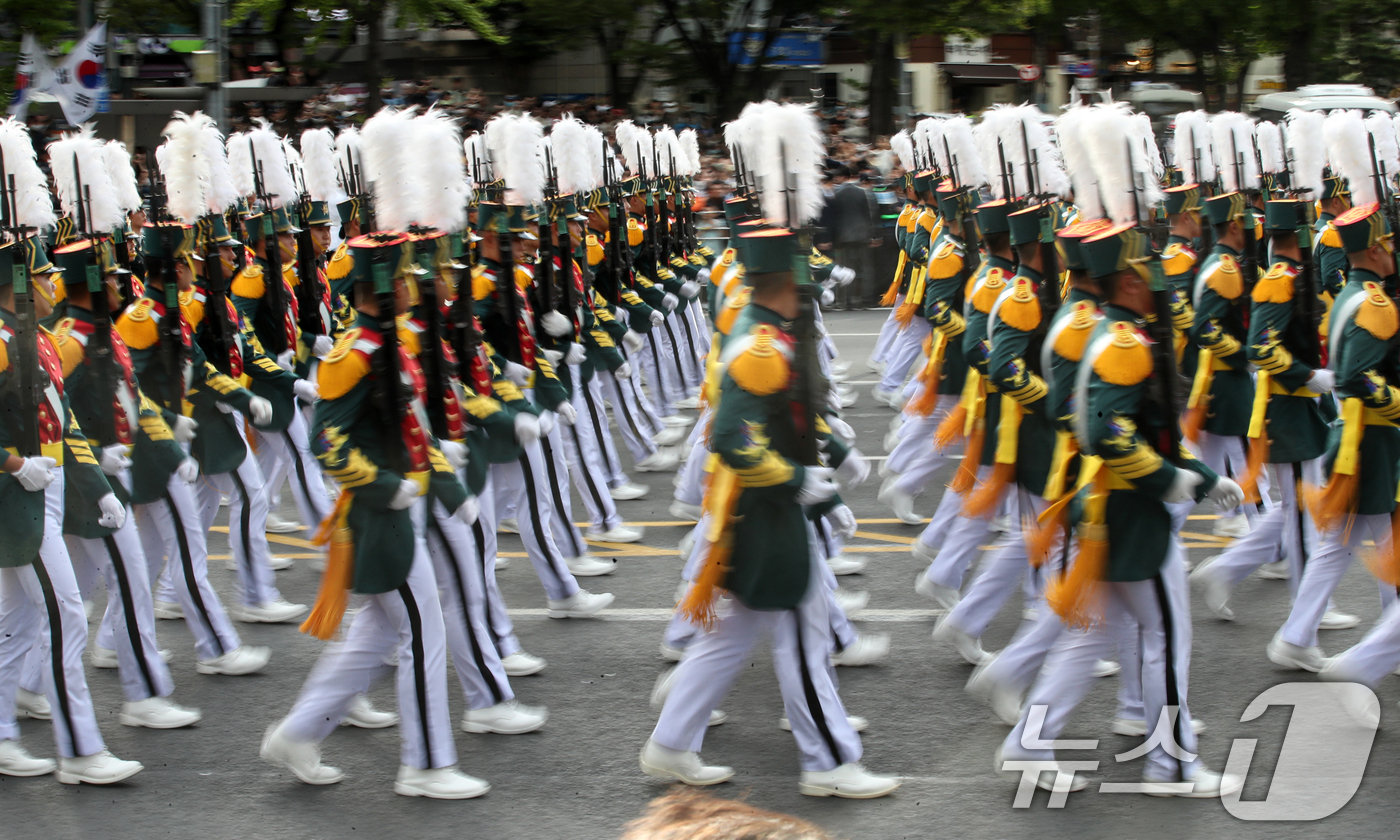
[[340, 263], [248, 283], [1276, 286], [1177, 259], [70, 350], [595, 250], [482, 286], [1330, 237], [733, 305], [986, 297], [192, 307], [1225, 278], [1072, 340], [1021, 309], [761, 369], [342, 370], [408, 339], [480, 407], [945, 262], [136, 326], [1125, 361], [634, 233], [728, 257], [1378, 315]]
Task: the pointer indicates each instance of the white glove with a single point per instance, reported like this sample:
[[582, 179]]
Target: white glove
[[568, 415], [689, 289], [624, 371], [285, 359], [632, 341], [469, 510], [454, 452], [115, 458], [828, 297], [844, 520], [853, 471], [817, 486], [546, 423], [1226, 494], [188, 470], [527, 428], [113, 512], [842, 275], [222, 407], [576, 354], [670, 301], [306, 390], [404, 496], [703, 277], [657, 318], [322, 346], [34, 474], [261, 410], [1183, 487], [1322, 381], [519, 374], [553, 356], [555, 324], [184, 428], [842, 430]]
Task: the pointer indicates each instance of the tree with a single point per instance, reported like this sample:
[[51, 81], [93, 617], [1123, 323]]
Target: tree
[[48, 20]]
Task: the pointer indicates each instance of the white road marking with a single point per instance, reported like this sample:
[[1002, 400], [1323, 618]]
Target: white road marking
[[665, 613]]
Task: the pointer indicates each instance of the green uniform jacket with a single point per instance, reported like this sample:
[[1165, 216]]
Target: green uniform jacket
[[1180, 262], [1064, 347], [1294, 425], [1330, 259], [944, 305], [991, 278], [1013, 366], [1219, 300]]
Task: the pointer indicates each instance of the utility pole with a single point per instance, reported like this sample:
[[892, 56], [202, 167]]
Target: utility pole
[[906, 94], [212, 14]]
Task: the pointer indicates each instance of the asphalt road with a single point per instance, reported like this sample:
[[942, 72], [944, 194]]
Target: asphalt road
[[578, 778]]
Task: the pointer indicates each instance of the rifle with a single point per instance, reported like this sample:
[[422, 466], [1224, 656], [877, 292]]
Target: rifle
[[29, 380], [309, 288], [222, 332], [1249, 257], [390, 400], [272, 257], [1162, 387], [436, 376], [809, 388], [547, 283], [170, 331], [507, 294], [1306, 325], [465, 337], [99, 347]]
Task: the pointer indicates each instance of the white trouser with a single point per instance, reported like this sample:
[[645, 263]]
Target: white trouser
[[826, 545], [1002, 570], [407, 619], [681, 336], [801, 647], [690, 486], [522, 485], [917, 458], [585, 445], [957, 537], [172, 529], [634, 420], [247, 526], [908, 348], [287, 454], [483, 530], [659, 363], [1228, 456], [1334, 555], [700, 330], [1161, 607], [463, 594], [1376, 656], [556, 462], [40, 602], [888, 332], [1288, 526]]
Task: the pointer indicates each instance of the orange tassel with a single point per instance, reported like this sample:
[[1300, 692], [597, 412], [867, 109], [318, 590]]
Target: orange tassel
[[905, 314], [334, 594], [892, 293], [1194, 422], [1040, 537], [699, 602], [1254, 465], [1329, 504], [932, 374], [1385, 565], [966, 475], [1076, 597], [950, 431], [984, 500]]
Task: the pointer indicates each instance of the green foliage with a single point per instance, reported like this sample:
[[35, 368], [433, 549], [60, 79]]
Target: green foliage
[[49, 20]]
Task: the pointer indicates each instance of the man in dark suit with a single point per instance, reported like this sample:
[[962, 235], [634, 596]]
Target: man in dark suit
[[849, 221]]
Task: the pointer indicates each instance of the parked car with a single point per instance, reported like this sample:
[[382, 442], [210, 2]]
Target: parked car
[[1272, 106]]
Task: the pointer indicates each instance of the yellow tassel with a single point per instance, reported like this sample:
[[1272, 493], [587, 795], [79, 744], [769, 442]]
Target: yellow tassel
[[1126, 360], [924, 404], [914, 300], [339, 577], [1378, 316], [966, 476], [1022, 309], [983, 501], [336, 379], [1040, 538], [892, 293], [1254, 465], [721, 500], [1331, 237], [986, 297], [1330, 504]]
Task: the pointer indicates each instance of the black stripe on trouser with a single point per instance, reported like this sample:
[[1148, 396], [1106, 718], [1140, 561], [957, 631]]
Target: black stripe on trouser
[[1244, 442], [301, 472], [675, 351], [809, 691], [535, 519], [187, 563], [245, 522], [656, 361], [626, 411], [1298, 509], [133, 630], [593, 416], [689, 333], [1173, 696], [587, 479], [479, 534], [420, 674], [56, 652], [453, 560], [558, 498]]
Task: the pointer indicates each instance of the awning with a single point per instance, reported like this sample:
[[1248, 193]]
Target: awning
[[994, 74]]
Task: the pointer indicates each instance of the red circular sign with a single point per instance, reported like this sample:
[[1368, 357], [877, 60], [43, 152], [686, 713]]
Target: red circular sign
[[1028, 72]]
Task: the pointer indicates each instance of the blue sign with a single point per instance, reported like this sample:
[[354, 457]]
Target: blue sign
[[787, 49]]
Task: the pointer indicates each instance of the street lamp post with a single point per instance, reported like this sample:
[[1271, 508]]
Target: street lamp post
[[212, 14]]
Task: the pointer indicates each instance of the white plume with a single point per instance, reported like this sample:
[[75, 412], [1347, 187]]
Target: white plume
[[1270, 143], [1142, 125], [220, 192], [183, 164], [443, 188], [1349, 155], [1304, 134], [636, 145], [240, 162], [118, 161], [1191, 146], [927, 136], [903, 148], [388, 165], [271, 161], [1016, 135], [788, 150], [477, 161], [294, 165], [79, 157], [669, 154], [987, 135], [318, 164], [1070, 129], [1231, 136], [690, 141], [349, 144], [741, 134], [577, 156], [1122, 164], [33, 206], [513, 142], [958, 155], [1387, 151]]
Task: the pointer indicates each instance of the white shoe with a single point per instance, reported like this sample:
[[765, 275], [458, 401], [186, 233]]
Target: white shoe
[[849, 781], [275, 562], [856, 722], [245, 659], [664, 459], [845, 564], [1362, 707], [1105, 668], [671, 654], [15, 760], [1138, 728], [840, 368], [1214, 591], [1232, 527], [87, 610], [590, 566], [1277, 570], [617, 534], [875, 365], [1294, 657], [101, 768], [946, 597], [851, 602], [301, 757], [686, 546], [676, 765], [579, 605], [678, 420], [1207, 784], [846, 399], [522, 664], [882, 396], [439, 783], [627, 492], [901, 503], [169, 610], [867, 649], [690, 513], [269, 612], [689, 403], [223, 500], [890, 441], [278, 525], [362, 715], [506, 718], [717, 716], [502, 562], [670, 436], [1004, 701], [661, 689], [32, 706], [509, 526], [1333, 620], [158, 713], [968, 647], [1045, 780]]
